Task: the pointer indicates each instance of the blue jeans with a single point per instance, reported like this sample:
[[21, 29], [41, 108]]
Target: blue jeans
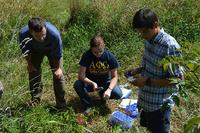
[[157, 121], [82, 91]]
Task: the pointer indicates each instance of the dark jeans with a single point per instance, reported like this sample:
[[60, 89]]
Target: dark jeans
[[82, 91], [157, 121], [35, 83]]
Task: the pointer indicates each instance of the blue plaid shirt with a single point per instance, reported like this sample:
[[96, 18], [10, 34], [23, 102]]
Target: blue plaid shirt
[[152, 98]]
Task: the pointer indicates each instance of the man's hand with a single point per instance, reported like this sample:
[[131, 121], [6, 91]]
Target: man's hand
[[107, 94], [58, 73], [140, 81]]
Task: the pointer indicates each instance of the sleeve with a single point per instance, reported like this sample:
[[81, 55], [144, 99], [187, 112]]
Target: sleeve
[[57, 50], [84, 61], [174, 69]]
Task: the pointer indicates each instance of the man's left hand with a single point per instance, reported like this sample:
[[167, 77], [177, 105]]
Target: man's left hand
[[58, 73]]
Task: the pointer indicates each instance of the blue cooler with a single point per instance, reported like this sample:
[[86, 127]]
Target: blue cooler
[[121, 118]]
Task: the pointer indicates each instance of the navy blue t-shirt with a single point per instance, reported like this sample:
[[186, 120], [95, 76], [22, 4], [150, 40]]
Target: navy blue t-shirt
[[52, 45], [99, 69]]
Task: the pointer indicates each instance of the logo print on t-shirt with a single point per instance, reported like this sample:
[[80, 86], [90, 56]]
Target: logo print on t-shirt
[[99, 67]]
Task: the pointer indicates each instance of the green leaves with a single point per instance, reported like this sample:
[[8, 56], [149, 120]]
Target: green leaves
[[192, 126], [176, 99], [191, 63]]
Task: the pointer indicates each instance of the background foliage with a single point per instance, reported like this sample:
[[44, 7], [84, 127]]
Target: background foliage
[[78, 21]]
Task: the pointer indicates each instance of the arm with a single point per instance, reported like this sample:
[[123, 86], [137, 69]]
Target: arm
[[141, 81], [57, 63], [161, 82], [113, 83], [56, 54], [82, 77], [57, 68], [114, 79]]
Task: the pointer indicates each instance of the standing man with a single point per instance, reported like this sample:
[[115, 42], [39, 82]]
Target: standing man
[[98, 68], [155, 87], [37, 40]]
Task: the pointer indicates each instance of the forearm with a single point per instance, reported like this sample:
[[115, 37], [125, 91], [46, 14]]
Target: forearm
[[160, 82], [113, 82], [57, 63], [85, 80]]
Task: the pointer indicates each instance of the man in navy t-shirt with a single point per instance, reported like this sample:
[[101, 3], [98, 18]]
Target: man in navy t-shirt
[[37, 40], [98, 68]]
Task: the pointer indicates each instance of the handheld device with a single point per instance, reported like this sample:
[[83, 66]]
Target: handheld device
[[131, 79]]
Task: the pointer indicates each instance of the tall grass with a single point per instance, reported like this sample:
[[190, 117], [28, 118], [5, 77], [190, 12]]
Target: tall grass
[[78, 22]]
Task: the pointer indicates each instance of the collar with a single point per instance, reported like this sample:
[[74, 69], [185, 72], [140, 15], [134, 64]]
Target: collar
[[156, 39]]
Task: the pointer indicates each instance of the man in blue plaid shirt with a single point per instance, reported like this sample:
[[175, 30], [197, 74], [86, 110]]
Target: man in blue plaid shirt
[[155, 87]]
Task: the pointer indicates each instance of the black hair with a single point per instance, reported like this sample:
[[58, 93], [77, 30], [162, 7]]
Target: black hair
[[93, 40], [36, 24], [144, 18]]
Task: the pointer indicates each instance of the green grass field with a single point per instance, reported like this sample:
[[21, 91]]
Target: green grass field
[[78, 20]]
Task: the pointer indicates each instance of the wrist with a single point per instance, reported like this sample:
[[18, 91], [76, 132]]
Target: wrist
[[109, 88], [91, 83]]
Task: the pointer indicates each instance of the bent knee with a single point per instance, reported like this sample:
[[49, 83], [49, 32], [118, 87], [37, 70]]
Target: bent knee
[[78, 84]]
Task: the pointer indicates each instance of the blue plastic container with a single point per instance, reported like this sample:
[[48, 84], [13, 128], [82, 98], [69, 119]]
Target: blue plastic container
[[132, 110], [121, 118]]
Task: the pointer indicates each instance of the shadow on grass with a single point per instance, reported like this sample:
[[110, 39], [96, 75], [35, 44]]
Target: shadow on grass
[[99, 107]]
